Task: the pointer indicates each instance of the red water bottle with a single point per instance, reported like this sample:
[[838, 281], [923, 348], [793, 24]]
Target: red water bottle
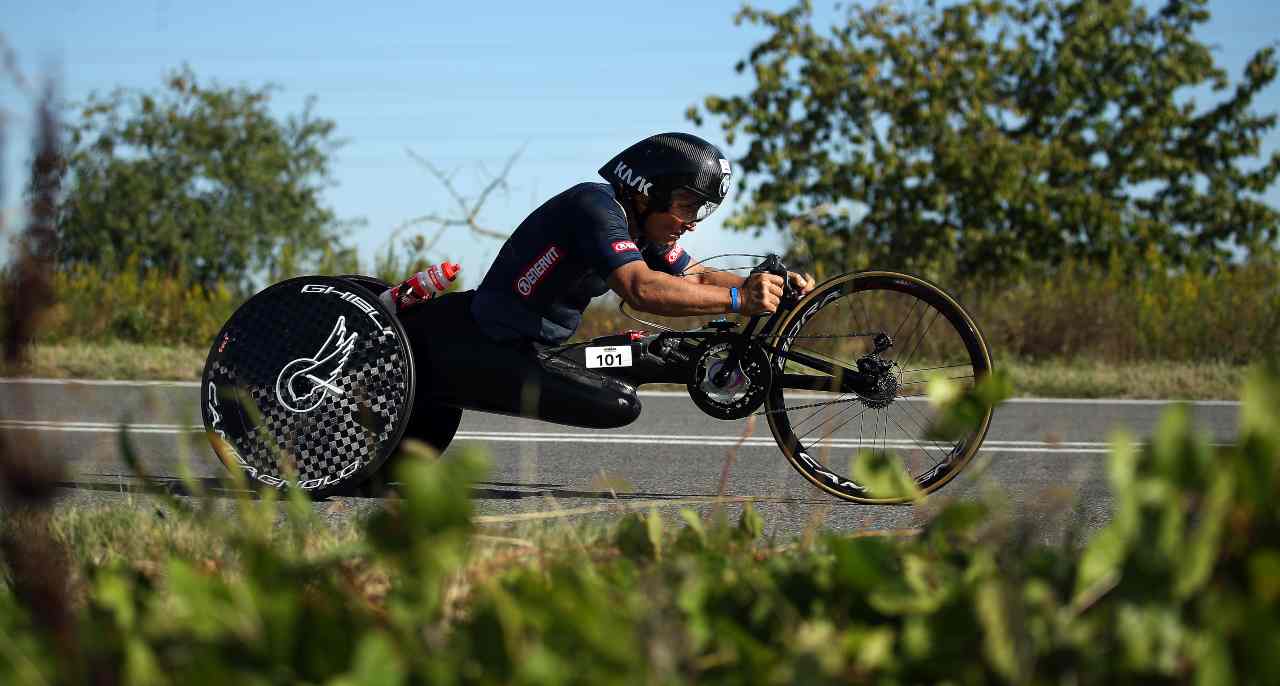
[[420, 287]]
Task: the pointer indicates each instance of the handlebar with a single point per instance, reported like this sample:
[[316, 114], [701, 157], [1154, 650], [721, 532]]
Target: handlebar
[[773, 264]]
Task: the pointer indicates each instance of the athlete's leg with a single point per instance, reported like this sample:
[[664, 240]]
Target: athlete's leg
[[464, 368], [568, 393]]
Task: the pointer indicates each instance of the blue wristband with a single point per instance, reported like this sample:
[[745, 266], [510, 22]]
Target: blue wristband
[[733, 299]]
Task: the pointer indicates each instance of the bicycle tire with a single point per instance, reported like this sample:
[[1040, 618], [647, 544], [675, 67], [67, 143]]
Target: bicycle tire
[[795, 327]]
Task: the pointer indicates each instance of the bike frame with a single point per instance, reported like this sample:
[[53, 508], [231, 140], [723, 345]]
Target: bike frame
[[669, 356]]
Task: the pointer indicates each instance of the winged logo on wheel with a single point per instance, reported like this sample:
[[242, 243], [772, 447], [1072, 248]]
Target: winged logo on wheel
[[303, 383]]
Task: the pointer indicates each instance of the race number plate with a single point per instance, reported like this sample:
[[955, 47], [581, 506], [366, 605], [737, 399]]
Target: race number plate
[[608, 356], [311, 379]]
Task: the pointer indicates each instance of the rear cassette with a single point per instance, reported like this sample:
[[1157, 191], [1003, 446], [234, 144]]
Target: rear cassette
[[310, 373]]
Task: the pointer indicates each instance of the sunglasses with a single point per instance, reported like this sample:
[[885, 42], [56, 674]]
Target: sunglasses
[[689, 207]]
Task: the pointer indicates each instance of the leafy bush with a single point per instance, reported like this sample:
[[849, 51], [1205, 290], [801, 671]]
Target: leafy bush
[[135, 305], [1182, 585]]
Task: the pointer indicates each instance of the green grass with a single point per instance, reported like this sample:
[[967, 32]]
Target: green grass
[[1052, 378], [1157, 379], [113, 361]]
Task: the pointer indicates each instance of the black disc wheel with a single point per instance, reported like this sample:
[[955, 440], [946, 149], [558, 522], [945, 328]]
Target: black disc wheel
[[855, 359], [310, 382], [431, 423]]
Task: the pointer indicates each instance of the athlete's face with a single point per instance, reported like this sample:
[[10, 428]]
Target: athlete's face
[[665, 228]]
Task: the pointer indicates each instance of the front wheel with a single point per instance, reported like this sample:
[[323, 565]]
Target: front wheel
[[894, 333]]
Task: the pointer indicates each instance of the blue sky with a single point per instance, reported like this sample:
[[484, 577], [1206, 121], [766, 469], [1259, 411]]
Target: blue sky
[[461, 84]]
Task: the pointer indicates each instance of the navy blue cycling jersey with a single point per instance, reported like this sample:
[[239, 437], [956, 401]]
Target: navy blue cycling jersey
[[557, 260]]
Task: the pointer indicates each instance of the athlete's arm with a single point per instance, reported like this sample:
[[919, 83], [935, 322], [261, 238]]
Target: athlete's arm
[[657, 292], [703, 274]]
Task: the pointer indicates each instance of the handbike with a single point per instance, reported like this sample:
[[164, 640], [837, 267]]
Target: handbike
[[314, 374], [841, 370]]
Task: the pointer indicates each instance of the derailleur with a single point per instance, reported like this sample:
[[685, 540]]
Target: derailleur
[[881, 384]]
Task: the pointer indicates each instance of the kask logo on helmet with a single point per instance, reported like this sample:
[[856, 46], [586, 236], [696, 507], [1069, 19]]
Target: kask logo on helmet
[[534, 273], [626, 175]]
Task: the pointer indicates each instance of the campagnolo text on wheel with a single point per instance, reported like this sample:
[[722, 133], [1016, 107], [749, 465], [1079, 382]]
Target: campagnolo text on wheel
[[317, 380]]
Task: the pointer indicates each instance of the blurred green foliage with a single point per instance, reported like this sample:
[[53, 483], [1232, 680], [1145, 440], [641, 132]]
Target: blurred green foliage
[[197, 180], [1179, 587]]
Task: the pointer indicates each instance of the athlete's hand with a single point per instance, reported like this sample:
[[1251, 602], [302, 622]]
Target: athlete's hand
[[803, 283], [761, 293]]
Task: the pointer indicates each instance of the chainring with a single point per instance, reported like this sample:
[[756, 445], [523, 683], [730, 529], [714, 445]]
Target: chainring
[[748, 385]]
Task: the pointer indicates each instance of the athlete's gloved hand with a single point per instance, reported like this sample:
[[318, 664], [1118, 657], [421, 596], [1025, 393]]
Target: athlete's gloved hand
[[760, 293]]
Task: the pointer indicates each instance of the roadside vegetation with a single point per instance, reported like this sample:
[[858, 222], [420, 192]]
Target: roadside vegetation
[[1075, 331], [1181, 586]]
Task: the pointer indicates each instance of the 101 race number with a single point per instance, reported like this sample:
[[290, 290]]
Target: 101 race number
[[608, 356]]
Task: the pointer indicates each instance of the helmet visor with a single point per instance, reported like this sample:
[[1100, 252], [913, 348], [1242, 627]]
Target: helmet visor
[[690, 207]]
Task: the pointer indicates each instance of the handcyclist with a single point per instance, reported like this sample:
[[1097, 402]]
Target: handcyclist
[[488, 348]]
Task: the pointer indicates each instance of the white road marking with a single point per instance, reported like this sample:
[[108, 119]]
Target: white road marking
[[649, 394], [720, 440]]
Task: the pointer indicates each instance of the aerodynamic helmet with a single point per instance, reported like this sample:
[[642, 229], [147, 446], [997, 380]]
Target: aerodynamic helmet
[[673, 166]]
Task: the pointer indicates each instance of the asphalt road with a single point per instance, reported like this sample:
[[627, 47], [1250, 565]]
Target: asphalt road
[[1044, 458]]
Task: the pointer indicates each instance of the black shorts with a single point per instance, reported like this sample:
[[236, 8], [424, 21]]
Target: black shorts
[[462, 367]]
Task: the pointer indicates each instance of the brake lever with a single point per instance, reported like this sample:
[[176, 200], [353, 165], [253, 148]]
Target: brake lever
[[773, 264]]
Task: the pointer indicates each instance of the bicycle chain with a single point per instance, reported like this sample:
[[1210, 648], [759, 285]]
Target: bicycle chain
[[856, 334], [805, 407]]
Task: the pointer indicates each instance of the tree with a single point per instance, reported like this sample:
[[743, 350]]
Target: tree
[[991, 135], [196, 180]]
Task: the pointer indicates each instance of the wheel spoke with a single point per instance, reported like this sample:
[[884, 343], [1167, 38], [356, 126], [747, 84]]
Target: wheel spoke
[[816, 412], [920, 340], [929, 369], [910, 435], [864, 409], [952, 444], [948, 378], [904, 319], [865, 311]]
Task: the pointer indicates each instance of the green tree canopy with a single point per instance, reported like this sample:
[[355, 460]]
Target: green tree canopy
[[988, 136], [198, 180]]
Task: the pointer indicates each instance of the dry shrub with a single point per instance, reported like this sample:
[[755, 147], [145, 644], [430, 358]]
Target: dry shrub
[[1119, 314]]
